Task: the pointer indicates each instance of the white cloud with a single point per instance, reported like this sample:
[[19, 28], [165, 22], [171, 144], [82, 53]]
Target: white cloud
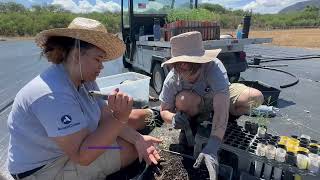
[[269, 6], [109, 6], [67, 4], [86, 7], [154, 5], [225, 3]]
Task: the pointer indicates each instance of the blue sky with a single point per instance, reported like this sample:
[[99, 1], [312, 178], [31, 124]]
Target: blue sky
[[261, 6]]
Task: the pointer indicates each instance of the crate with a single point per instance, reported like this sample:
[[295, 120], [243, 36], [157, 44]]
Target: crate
[[208, 30], [134, 84], [270, 93]]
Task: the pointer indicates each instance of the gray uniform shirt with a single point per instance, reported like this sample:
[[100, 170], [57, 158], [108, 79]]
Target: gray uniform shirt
[[213, 77], [48, 106]]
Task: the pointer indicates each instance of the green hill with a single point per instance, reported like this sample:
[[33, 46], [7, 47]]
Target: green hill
[[300, 6]]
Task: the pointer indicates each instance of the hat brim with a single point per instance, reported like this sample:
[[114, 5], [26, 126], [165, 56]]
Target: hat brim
[[109, 43], [208, 56]]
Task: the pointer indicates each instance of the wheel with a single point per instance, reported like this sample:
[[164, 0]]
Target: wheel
[[125, 63], [157, 78], [234, 77]]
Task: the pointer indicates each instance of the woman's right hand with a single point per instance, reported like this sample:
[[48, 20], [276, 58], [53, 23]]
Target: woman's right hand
[[146, 149], [120, 104]]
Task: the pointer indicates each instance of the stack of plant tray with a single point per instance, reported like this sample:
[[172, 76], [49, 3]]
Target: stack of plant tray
[[209, 30]]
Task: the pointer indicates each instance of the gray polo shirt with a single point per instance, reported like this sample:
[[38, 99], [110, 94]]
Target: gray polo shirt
[[213, 77], [48, 106]]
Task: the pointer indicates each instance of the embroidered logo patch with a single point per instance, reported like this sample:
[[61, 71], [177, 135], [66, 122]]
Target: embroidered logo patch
[[66, 119]]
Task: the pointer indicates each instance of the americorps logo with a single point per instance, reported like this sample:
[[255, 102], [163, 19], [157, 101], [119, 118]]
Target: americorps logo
[[66, 119]]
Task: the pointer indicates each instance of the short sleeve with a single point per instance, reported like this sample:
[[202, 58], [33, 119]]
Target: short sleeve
[[169, 91], [217, 77], [60, 114]]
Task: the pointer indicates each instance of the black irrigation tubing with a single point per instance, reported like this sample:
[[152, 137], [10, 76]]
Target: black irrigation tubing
[[6, 106], [265, 59], [269, 65], [270, 57], [279, 70]]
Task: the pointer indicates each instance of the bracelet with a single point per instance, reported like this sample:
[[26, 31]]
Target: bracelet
[[112, 114]]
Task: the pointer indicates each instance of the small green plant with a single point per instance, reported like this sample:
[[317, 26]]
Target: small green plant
[[262, 119], [191, 15]]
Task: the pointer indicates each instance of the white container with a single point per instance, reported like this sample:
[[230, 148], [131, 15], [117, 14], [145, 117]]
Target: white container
[[134, 84], [313, 165], [261, 132], [261, 151], [280, 157], [302, 161], [270, 151]]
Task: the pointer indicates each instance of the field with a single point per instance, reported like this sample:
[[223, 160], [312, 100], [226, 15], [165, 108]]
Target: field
[[306, 38]]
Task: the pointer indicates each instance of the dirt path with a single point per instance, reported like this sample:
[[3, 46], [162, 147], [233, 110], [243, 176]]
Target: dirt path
[[305, 38]]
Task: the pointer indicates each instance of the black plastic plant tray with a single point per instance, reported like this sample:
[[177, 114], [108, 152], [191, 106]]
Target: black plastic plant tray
[[174, 167], [271, 94]]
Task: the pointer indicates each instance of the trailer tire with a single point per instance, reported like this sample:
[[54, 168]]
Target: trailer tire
[[157, 78], [125, 63], [233, 78]]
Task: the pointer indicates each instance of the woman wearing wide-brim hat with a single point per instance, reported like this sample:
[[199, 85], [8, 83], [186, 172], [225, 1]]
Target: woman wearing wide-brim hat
[[57, 130], [197, 91]]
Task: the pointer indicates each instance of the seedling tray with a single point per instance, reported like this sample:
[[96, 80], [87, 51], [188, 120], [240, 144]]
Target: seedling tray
[[240, 142]]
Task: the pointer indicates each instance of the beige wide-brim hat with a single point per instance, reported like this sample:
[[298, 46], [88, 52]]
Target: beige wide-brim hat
[[188, 47], [90, 31]]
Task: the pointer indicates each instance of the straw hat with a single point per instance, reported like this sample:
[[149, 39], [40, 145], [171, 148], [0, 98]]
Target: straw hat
[[188, 47], [90, 31]]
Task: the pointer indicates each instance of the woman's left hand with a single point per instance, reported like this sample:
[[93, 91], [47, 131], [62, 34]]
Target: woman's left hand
[[145, 147]]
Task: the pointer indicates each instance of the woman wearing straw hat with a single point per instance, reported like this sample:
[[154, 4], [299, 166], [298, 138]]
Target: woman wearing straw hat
[[196, 86], [57, 130]]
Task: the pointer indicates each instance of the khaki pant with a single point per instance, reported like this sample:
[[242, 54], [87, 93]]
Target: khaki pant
[[64, 169], [235, 90], [206, 105]]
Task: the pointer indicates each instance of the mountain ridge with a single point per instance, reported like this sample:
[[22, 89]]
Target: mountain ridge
[[300, 6]]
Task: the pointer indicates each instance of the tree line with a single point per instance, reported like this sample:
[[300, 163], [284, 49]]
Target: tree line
[[16, 20]]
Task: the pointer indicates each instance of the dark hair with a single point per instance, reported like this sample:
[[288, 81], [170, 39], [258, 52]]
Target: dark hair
[[57, 48], [193, 67]]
